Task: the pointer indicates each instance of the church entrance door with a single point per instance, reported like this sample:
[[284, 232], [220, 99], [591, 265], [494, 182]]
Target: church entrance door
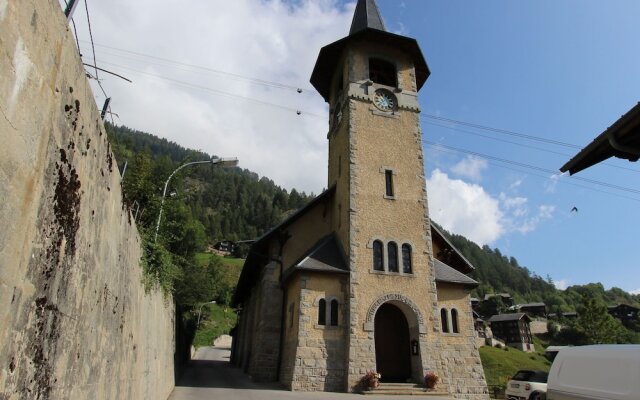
[[393, 357]]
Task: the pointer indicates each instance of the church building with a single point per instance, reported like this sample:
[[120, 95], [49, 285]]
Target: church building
[[360, 279]]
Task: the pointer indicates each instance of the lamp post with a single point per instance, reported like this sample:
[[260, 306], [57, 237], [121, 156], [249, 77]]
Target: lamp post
[[200, 311], [223, 162]]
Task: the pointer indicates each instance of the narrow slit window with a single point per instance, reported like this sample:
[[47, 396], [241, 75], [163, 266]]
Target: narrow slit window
[[392, 252], [454, 320], [443, 318], [322, 312], [377, 256], [406, 258], [388, 179], [334, 313]]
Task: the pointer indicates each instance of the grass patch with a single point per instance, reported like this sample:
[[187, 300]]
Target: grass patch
[[205, 258], [214, 322], [500, 365]]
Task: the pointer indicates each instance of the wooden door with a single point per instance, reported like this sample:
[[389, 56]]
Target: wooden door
[[393, 354]]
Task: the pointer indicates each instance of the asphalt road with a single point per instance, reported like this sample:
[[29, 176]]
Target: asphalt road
[[210, 376]]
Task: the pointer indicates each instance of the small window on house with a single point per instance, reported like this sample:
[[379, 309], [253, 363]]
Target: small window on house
[[322, 312], [377, 256], [334, 313], [454, 320], [406, 258], [444, 321], [383, 72], [388, 179], [392, 253]]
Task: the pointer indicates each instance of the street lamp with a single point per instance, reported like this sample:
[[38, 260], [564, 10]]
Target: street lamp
[[223, 162], [200, 311]]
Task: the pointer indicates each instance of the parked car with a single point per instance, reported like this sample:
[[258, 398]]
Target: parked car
[[527, 385], [609, 372]]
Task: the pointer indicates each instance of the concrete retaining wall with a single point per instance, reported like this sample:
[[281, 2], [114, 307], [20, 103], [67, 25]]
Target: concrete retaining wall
[[75, 321]]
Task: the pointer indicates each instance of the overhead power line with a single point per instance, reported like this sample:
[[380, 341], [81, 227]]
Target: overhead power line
[[528, 146], [534, 167], [545, 177], [264, 82], [503, 131]]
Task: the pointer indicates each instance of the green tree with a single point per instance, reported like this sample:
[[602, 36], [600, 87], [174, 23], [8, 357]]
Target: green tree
[[596, 325]]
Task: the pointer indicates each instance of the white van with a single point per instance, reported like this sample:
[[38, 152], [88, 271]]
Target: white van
[[599, 372]]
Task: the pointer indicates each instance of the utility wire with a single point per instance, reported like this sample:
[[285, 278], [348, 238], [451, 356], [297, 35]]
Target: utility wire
[[545, 177], [449, 127], [264, 82], [93, 48], [217, 91], [503, 131], [533, 167]]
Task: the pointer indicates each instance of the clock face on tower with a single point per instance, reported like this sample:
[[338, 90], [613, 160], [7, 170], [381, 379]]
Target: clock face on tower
[[384, 100]]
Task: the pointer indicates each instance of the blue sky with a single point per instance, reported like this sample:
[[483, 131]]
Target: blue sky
[[223, 78], [561, 70]]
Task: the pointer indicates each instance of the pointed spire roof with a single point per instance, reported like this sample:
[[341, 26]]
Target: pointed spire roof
[[367, 15], [367, 26]]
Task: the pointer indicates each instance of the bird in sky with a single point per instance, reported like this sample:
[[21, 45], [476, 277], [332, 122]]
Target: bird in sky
[[574, 209]]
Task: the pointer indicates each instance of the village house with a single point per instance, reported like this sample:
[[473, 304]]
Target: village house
[[532, 309], [360, 280], [627, 314], [514, 330]]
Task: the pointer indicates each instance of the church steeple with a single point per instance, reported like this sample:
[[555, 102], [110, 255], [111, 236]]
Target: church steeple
[[367, 15], [366, 27]]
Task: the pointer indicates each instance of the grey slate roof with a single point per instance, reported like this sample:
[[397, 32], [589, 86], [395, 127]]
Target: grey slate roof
[[445, 273], [508, 317], [325, 256], [367, 15]]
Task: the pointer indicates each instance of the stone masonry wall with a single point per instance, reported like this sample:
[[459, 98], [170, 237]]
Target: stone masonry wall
[[320, 352], [75, 321], [460, 365]]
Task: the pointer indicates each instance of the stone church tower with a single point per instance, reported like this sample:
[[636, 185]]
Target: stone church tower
[[359, 279], [371, 80]]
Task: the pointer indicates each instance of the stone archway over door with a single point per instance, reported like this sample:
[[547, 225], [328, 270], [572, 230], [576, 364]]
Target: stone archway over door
[[393, 353]]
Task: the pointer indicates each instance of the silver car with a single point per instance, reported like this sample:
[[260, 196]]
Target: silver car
[[527, 385]]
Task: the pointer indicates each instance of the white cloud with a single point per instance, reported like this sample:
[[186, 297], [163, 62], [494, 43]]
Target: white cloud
[[467, 209], [470, 167], [464, 208], [516, 184], [561, 284], [550, 185], [637, 291], [272, 40]]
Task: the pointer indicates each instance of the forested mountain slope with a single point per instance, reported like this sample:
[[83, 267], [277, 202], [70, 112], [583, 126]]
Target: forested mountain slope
[[498, 273], [211, 203]]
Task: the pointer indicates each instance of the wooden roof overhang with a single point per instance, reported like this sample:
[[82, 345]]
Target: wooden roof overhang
[[621, 140]]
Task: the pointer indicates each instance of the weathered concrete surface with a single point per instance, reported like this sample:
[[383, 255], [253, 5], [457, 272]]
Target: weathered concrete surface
[[75, 320]]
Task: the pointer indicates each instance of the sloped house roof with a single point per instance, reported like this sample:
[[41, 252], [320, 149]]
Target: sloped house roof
[[621, 140]]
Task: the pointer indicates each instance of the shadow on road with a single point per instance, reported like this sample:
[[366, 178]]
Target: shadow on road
[[212, 369]]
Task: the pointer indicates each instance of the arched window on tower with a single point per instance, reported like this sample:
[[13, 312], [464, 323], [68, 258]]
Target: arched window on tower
[[444, 321], [322, 312], [406, 258], [377, 256], [454, 320], [392, 254], [334, 312], [383, 72]]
